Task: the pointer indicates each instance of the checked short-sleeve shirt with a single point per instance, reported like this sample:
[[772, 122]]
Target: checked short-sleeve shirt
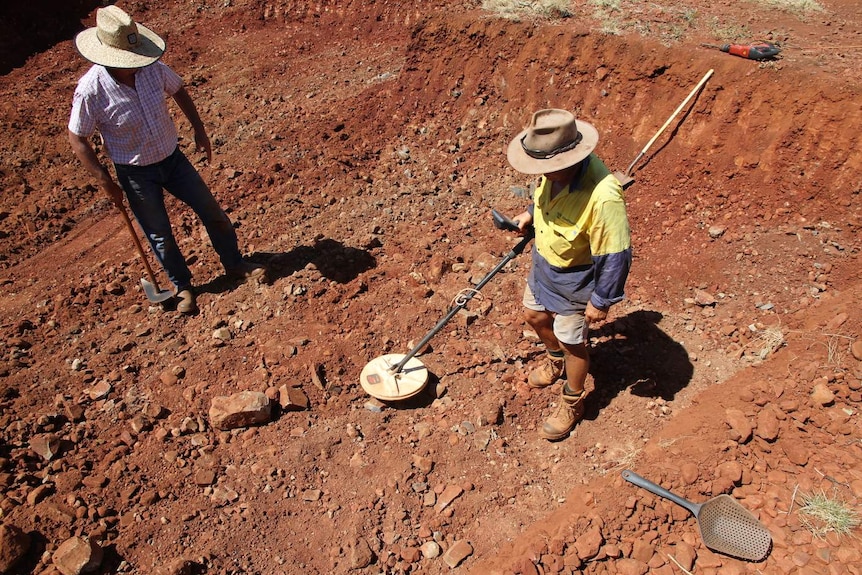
[[134, 122]]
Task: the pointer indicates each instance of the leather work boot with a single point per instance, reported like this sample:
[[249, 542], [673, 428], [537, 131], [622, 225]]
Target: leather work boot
[[186, 303], [569, 412], [551, 370]]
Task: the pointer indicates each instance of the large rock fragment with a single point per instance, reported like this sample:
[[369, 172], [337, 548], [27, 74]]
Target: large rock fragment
[[77, 555], [361, 555], [796, 453], [47, 446], [822, 395], [589, 544], [240, 410], [767, 425], [459, 551], [292, 398], [740, 426]]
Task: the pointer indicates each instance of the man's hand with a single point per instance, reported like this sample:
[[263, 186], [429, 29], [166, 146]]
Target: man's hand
[[524, 220], [114, 191], [202, 143], [84, 152], [594, 315]]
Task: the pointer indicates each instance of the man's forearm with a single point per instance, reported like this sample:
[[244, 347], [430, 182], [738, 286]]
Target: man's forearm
[[184, 101], [85, 153], [611, 271]]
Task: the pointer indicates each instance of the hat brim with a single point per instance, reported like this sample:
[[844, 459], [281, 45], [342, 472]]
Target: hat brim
[[526, 164], [151, 49]]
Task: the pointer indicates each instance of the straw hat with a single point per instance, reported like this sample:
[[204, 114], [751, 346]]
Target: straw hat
[[118, 42], [553, 141]]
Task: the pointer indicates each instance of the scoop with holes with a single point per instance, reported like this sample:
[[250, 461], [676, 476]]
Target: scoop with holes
[[725, 525]]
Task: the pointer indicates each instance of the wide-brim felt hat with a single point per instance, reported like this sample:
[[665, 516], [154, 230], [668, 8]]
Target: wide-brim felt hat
[[117, 41], [554, 140]]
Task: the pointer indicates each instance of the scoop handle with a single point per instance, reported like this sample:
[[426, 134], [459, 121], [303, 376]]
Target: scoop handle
[[636, 479]]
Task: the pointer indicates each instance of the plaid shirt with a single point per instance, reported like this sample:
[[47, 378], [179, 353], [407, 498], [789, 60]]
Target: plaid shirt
[[134, 122]]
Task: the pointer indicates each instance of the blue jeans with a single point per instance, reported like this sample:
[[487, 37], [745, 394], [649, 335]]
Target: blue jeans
[[144, 187]]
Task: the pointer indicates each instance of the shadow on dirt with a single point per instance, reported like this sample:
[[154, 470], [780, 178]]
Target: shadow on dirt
[[422, 399], [332, 259], [633, 353], [335, 261]]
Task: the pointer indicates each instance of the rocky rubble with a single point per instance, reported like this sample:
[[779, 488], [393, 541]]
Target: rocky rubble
[[775, 446], [359, 151]]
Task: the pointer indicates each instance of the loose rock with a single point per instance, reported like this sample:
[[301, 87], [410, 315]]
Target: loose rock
[[292, 398], [457, 553], [796, 453], [361, 555], [740, 427], [822, 395], [46, 446], [629, 566], [240, 410], [77, 555], [430, 550], [767, 425], [589, 543]]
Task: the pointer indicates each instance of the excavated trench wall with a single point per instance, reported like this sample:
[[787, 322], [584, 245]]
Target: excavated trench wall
[[27, 28], [756, 124]]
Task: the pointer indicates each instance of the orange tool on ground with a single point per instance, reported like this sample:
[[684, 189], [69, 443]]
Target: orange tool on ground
[[756, 51]]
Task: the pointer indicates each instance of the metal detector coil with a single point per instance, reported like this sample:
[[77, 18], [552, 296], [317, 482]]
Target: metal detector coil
[[398, 376], [381, 379]]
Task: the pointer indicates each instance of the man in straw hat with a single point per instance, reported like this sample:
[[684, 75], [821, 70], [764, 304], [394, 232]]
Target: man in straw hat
[[124, 97], [581, 254]]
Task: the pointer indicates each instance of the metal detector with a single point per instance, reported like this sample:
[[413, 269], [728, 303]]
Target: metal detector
[[396, 376]]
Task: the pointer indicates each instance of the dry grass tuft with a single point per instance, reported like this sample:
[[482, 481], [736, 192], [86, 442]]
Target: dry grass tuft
[[619, 457], [767, 341], [821, 514], [796, 6], [518, 9]]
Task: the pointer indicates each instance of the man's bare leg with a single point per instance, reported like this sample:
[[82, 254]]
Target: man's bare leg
[[577, 367], [553, 366]]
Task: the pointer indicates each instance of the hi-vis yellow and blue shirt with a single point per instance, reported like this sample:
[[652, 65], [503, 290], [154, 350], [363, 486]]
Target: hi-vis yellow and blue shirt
[[582, 251]]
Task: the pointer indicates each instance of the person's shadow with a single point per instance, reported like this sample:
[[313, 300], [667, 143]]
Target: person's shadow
[[632, 352], [332, 259]]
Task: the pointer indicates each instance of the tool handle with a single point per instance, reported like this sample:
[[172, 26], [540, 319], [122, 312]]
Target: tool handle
[[669, 120], [139, 246], [636, 479]]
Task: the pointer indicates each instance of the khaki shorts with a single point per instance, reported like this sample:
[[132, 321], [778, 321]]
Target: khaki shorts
[[569, 329]]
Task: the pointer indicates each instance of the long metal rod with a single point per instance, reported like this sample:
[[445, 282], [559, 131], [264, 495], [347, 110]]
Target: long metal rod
[[519, 247]]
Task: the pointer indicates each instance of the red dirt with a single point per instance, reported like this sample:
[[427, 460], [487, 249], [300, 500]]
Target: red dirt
[[359, 148]]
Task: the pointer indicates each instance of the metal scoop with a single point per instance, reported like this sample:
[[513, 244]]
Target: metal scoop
[[725, 525]]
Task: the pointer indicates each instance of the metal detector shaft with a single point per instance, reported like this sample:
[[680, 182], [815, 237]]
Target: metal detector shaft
[[519, 247]]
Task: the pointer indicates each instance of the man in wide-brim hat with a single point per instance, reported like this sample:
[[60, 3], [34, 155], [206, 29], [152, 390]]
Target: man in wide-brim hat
[[581, 253], [124, 97]]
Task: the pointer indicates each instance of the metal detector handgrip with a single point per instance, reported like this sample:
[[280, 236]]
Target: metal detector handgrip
[[519, 247], [502, 222]]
